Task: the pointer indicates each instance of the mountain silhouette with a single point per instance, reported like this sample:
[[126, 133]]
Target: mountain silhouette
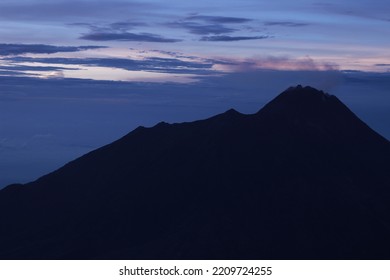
[[303, 178]]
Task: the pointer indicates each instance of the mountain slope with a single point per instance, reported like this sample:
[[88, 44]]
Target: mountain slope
[[303, 178]]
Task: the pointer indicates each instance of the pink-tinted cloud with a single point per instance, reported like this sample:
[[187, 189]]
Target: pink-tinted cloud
[[276, 63]]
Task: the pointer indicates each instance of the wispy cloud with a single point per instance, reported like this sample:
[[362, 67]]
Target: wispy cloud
[[178, 55], [18, 49], [285, 23], [126, 25], [224, 38], [23, 68], [127, 36], [9, 73], [219, 19], [119, 26]]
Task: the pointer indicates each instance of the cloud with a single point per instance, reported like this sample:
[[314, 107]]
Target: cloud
[[223, 38], [283, 63], [18, 49], [118, 31], [170, 53], [126, 25], [7, 73], [151, 64], [383, 64], [121, 26], [180, 55], [219, 19], [177, 63], [23, 68], [201, 29], [285, 23], [206, 25], [127, 36]]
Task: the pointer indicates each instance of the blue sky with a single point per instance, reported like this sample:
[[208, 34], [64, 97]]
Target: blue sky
[[75, 75]]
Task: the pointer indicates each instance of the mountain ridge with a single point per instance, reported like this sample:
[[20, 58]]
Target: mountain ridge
[[303, 178]]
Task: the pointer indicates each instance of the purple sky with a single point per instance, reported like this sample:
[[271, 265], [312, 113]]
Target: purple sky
[[75, 75], [80, 39]]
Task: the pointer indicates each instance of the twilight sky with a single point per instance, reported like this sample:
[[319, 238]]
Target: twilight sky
[[182, 40], [75, 75]]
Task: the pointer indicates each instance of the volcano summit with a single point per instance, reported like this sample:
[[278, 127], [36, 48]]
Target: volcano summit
[[303, 178]]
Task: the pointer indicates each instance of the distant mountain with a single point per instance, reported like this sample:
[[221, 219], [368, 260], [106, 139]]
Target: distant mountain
[[303, 178]]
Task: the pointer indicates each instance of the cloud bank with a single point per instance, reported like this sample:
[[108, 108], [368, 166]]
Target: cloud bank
[[151, 64]]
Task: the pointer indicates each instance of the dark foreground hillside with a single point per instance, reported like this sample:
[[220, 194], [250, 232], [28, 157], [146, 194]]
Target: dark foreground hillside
[[303, 178]]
